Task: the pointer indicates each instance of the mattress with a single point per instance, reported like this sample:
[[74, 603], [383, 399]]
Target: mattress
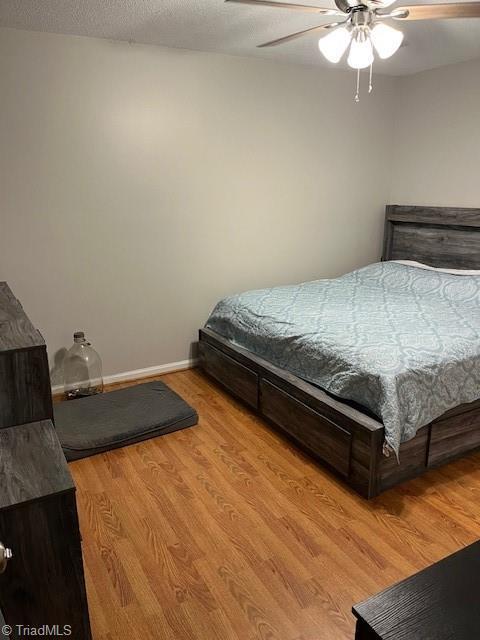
[[400, 340]]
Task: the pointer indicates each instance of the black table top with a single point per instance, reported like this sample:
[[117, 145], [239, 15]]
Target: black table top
[[441, 602]]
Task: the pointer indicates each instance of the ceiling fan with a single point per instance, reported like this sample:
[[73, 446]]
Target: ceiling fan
[[362, 29]]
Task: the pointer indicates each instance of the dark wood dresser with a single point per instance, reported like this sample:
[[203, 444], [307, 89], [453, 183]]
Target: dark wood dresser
[[42, 586], [441, 602], [43, 583], [25, 393]]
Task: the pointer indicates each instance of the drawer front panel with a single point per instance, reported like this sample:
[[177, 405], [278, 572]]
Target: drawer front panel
[[240, 380], [453, 436], [323, 437], [25, 393], [44, 582]]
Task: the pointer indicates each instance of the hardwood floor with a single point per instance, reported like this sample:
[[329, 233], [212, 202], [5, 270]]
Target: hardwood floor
[[226, 531]]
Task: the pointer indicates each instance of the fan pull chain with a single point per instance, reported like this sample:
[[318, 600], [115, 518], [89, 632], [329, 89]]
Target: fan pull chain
[[370, 83], [357, 95]]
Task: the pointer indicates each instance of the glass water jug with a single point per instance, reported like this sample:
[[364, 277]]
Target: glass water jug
[[82, 369]]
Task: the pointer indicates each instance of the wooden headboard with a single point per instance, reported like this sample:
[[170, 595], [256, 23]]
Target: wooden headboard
[[438, 236]]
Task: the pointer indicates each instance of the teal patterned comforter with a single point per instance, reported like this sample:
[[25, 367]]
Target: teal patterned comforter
[[402, 341]]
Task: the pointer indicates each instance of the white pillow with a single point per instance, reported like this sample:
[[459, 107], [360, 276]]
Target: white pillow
[[455, 272]]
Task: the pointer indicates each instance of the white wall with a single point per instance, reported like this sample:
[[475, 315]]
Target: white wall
[[138, 185], [436, 151]]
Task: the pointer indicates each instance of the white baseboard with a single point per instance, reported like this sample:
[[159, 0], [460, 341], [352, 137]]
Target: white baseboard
[[138, 374]]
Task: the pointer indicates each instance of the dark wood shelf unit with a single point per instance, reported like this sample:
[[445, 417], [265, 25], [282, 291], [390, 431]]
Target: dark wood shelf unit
[[44, 582]]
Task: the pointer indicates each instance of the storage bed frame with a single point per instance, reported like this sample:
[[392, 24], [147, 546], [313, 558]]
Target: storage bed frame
[[342, 436]]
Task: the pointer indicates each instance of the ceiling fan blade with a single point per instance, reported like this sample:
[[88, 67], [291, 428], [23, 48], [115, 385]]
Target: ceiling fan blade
[[299, 34], [381, 4], [438, 11], [287, 5]]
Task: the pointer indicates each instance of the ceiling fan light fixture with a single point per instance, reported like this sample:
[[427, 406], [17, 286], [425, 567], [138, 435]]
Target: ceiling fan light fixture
[[386, 40], [361, 50], [362, 29], [334, 45]]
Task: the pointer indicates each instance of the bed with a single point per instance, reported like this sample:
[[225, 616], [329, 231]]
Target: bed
[[339, 388]]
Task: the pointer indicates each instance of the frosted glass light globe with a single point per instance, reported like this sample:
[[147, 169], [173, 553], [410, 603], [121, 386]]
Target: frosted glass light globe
[[386, 40], [334, 45], [361, 51]]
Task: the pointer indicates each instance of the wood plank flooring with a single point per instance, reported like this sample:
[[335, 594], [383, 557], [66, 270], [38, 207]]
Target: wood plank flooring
[[225, 531]]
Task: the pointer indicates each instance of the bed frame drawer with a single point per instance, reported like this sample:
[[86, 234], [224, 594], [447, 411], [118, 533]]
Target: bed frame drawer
[[322, 436], [453, 437], [240, 380]]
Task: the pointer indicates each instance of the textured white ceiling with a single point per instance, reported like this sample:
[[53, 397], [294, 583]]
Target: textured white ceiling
[[212, 25]]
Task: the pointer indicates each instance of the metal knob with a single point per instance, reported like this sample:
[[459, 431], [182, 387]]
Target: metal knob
[[5, 555]]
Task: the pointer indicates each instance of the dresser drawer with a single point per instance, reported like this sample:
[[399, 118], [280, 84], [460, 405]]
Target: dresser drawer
[[240, 380], [321, 436], [43, 583]]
